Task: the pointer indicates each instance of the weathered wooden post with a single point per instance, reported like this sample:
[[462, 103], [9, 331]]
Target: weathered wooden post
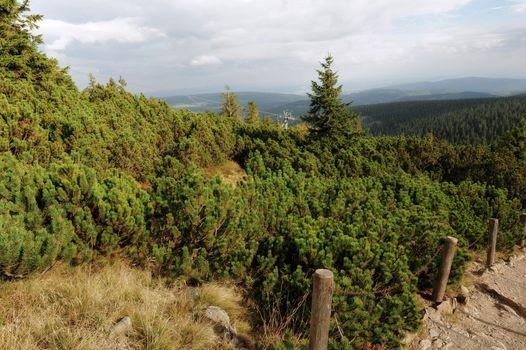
[[493, 229], [448, 252], [323, 284], [522, 241]]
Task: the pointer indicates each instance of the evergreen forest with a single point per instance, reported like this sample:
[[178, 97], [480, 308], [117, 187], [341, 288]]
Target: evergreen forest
[[101, 172], [465, 121]]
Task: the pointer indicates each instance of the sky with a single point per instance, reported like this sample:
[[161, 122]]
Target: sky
[[166, 47]]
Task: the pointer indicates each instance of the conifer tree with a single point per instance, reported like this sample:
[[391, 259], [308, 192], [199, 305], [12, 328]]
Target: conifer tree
[[230, 107], [328, 114], [18, 55], [252, 113], [20, 58]]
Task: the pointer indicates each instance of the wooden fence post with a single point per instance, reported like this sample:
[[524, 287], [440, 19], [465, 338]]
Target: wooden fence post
[[493, 229], [323, 284], [522, 241], [448, 252]]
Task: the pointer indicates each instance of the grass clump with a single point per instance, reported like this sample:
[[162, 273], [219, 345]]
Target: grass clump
[[76, 308]]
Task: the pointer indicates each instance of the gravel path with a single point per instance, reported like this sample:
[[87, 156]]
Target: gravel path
[[491, 314]]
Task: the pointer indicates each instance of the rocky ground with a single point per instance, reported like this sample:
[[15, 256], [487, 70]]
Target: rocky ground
[[489, 314]]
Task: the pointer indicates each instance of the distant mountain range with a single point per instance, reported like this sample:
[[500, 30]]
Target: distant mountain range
[[276, 103], [494, 86]]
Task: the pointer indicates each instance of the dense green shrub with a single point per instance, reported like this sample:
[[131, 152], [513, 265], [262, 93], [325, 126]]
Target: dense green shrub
[[103, 171], [66, 211], [375, 233], [202, 228]]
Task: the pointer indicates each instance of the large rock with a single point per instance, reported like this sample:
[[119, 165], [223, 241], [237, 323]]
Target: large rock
[[222, 326], [220, 319], [123, 327]]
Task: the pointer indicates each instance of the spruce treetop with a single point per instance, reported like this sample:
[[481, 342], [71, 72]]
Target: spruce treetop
[[328, 114], [19, 54]]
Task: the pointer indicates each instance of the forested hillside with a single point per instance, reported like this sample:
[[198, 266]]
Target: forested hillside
[[212, 102], [102, 173], [275, 103], [470, 121]]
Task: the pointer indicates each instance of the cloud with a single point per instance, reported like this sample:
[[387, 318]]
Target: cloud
[[205, 60], [278, 43], [60, 34], [520, 8]]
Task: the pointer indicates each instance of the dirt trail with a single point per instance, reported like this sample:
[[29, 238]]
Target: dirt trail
[[490, 314]]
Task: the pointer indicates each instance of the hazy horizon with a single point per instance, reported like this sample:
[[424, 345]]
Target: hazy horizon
[[275, 45], [372, 87]]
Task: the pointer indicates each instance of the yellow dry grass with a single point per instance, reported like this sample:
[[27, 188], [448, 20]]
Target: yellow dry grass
[[230, 172], [76, 308]]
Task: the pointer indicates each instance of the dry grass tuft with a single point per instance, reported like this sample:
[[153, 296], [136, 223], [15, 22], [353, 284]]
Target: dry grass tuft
[[76, 308], [230, 172]]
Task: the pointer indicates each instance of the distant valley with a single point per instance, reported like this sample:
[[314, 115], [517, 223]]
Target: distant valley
[[275, 104], [268, 103]]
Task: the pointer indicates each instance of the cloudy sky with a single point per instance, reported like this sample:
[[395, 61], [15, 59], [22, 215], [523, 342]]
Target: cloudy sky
[[188, 46]]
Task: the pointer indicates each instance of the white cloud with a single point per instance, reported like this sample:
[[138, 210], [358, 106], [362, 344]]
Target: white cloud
[[238, 22], [60, 34], [206, 60], [520, 8], [278, 42]]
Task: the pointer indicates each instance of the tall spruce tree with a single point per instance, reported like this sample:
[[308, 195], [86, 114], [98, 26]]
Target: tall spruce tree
[[18, 54], [328, 114], [20, 58], [230, 107]]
